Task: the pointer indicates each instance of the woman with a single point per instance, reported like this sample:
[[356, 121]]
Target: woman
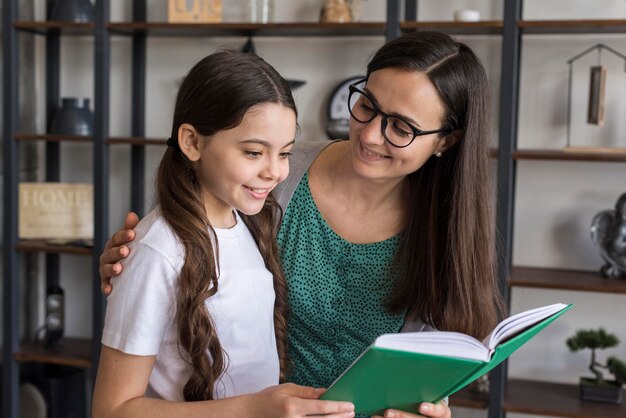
[[392, 229]]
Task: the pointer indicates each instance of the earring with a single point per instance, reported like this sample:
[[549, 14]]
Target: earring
[[438, 154]]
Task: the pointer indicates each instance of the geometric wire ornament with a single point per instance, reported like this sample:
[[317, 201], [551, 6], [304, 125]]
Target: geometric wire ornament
[[595, 111]]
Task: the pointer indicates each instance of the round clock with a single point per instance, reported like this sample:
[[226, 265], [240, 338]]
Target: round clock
[[337, 126]]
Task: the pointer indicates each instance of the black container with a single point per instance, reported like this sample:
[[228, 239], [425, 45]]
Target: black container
[[73, 118], [607, 392], [64, 388], [81, 11]]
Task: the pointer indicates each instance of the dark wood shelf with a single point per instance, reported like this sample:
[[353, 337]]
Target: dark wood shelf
[[46, 27], [584, 154], [572, 26], [249, 29], [53, 138], [135, 140], [555, 399], [485, 27], [588, 281], [74, 352], [467, 398], [46, 247]]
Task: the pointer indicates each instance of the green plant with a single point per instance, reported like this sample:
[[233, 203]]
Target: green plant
[[599, 339]]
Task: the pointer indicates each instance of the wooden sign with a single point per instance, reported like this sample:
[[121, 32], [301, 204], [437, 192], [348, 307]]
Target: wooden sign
[[58, 211], [194, 11]]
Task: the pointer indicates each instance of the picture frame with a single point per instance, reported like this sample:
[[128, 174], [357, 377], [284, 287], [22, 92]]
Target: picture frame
[[194, 11], [60, 212]]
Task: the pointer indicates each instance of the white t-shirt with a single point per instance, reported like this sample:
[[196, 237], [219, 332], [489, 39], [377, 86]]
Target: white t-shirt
[[141, 310]]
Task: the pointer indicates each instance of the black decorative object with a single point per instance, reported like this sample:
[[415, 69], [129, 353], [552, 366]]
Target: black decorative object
[[248, 47], [81, 11], [608, 233], [73, 118], [337, 126], [55, 316]]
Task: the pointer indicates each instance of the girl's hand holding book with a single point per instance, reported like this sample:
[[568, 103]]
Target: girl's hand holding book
[[293, 401]]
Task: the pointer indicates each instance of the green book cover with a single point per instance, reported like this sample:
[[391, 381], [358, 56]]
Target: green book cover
[[383, 378]]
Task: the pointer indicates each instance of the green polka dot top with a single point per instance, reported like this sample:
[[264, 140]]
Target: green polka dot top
[[336, 292]]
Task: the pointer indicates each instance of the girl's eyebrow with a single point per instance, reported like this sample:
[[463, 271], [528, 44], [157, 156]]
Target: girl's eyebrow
[[263, 142]]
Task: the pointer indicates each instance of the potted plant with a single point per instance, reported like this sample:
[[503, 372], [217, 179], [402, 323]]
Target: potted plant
[[599, 389]]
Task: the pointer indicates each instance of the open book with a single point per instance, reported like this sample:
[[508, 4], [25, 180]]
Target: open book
[[401, 370]]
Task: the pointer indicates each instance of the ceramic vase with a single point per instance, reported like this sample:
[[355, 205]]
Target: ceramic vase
[[73, 118], [72, 11]]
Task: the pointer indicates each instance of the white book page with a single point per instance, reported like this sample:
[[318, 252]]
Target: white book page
[[516, 323], [454, 344], [450, 344]]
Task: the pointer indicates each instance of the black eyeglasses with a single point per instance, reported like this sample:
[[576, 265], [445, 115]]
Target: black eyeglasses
[[396, 130]]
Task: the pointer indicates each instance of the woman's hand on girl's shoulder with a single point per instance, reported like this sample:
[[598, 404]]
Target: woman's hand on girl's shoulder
[[439, 410], [116, 250], [293, 401]]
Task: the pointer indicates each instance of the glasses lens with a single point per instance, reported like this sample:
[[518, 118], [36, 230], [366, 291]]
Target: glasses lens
[[398, 132], [361, 108]]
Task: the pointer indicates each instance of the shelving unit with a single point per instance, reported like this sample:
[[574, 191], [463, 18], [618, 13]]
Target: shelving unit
[[507, 395], [80, 353], [555, 399], [525, 396]]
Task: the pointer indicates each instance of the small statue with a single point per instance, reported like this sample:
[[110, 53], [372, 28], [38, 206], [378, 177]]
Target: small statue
[[608, 233], [336, 11]]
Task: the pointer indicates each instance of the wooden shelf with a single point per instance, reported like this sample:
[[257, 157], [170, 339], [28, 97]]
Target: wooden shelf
[[561, 155], [249, 29], [466, 398], [45, 27], [135, 140], [588, 281], [572, 26], [53, 138], [555, 399], [74, 352], [485, 27], [44, 246]]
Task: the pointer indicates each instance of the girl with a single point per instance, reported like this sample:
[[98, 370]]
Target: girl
[[200, 311]]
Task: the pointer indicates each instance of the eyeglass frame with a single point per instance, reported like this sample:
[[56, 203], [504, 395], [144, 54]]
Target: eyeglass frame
[[383, 125]]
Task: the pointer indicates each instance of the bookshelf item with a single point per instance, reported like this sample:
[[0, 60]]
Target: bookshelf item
[[597, 86], [336, 11], [466, 15], [73, 118], [78, 11], [598, 388], [194, 11], [597, 89], [608, 233], [56, 211], [261, 11]]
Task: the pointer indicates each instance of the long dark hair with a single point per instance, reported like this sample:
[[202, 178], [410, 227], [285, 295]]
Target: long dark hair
[[448, 247], [214, 96]]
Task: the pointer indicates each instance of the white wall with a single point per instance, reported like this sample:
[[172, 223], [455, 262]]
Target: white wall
[[555, 200]]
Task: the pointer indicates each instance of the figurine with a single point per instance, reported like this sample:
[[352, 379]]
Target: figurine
[[608, 233], [336, 11]]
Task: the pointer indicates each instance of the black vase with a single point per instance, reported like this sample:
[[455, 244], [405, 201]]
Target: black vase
[[73, 118], [72, 11]]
